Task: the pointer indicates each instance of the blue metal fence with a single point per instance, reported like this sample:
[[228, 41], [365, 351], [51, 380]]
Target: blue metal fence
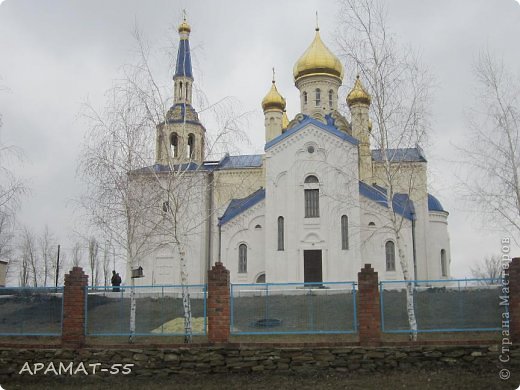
[[455, 305], [159, 310], [293, 308], [31, 311]]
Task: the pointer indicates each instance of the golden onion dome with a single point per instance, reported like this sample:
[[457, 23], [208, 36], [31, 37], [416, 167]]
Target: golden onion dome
[[273, 99], [358, 94], [285, 120], [318, 59], [184, 27]]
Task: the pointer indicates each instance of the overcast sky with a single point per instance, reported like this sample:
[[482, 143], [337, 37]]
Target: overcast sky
[[55, 54]]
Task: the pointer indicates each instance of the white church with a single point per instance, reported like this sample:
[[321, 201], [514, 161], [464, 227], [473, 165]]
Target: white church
[[313, 207]]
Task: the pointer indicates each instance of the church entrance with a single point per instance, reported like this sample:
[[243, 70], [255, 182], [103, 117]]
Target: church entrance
[[312, 266]]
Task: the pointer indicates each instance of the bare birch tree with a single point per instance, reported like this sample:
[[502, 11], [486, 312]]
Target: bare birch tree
[[47, 249], [399, 87], [77, 255], [30, 261], [491, 155], [93, 260]]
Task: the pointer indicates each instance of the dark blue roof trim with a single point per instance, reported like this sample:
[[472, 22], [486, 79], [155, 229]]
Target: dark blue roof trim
[[309, 120], [401, 203], [238, 206], [434, 204], [405, 155], [183, 65]]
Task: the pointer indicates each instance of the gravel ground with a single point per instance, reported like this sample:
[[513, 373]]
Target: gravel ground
[[446, 380]]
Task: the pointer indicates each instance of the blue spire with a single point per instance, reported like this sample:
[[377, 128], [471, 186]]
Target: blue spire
[[183, 66]]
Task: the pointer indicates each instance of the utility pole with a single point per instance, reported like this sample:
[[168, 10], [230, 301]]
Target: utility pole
[[57, 267]]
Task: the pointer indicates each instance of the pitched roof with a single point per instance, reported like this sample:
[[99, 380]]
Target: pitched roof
[[238, 206], [401, 203], [329, 127], [244, 161], [400, 155]]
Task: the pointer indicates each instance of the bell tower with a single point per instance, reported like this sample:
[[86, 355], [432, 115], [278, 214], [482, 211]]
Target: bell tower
[[181, 137]]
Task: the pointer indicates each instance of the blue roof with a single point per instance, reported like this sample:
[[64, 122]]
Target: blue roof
[[401, 203], [183, 66], [329, 127], [244, 161], [405, 155], [434, 204], [238, 206]]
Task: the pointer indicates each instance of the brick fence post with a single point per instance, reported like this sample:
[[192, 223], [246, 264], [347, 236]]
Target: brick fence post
[[514, 299], [218, 304], [369, 308], [73, 331]]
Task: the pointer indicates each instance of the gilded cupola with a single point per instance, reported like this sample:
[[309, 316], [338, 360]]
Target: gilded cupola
[[318, 59], [358, 94], [273, 99]]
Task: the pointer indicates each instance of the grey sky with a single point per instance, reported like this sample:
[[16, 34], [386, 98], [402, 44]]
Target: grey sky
[[56, 53]]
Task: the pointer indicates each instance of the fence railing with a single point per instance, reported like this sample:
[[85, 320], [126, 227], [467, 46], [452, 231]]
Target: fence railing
[[31, 311], [159, 310], [293, 308], [455, 305]]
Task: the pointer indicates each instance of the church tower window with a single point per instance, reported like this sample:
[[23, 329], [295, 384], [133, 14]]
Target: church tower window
[[331, 95], [304, 97], [312, 197], [191, 146], [242, 259], [444, 268], [318, 96], [280, 233], [174, 145], [344, 232], [390, 255]]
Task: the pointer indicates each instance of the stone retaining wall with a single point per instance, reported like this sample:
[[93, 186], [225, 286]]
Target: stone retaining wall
[[167, 362]]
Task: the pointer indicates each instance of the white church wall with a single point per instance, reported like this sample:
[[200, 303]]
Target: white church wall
[[438, 239], [247, 228], [334, 163]]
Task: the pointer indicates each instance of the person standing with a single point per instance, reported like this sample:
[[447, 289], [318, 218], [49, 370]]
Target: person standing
[[116, 281]]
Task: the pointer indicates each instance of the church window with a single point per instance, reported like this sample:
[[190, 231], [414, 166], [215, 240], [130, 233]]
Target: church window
[[444, 268], [372, 224], [318, 96], [304, 97], [191, 146], [280, 233], [390, 255], [174, 145], [258, 227], [312, 197], [331, 93], [242, 259], [344, 232], [180, 89], [260, 278]]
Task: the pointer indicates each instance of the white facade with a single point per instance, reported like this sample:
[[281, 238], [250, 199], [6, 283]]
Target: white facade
[[308, 210]]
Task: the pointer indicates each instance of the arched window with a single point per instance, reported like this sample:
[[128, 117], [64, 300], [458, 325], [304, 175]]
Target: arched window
[[242, 259], [344, 232], [318, 96], [312, 197], [331, 93], [304, 97], [186, 91], [280, 234], [191, 146], [260, 278], [174, 145], [444, 265], [390, 255], [180, 89]]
